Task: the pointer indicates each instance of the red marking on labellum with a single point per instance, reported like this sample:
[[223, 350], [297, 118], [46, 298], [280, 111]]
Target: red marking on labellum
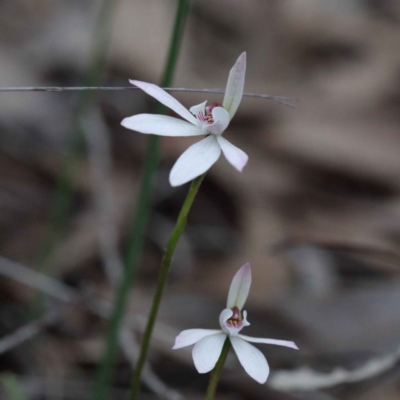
[[207, 117], [236, 319]]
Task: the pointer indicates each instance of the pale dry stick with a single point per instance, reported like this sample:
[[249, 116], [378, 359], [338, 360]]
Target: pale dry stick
[[99, 154], [367, 249], [307, 379], [100, 307], [27, 331], [37, 280], [52, 287], [150, 379], [288, 101]]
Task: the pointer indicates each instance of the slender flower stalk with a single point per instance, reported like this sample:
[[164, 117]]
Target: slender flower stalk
[[139, 220], [216, 372], [162, 279]]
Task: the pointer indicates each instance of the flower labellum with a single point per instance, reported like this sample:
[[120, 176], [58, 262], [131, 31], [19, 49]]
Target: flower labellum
[[208, 343], [211, 121]]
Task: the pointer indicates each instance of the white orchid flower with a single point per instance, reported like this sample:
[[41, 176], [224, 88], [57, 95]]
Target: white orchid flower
[[208, 342], [206, 120]]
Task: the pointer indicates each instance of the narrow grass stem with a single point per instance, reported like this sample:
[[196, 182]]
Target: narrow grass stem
[[12, 387], [162, 279], [61, 206], [64, 194], [139, 220], [216, 372]]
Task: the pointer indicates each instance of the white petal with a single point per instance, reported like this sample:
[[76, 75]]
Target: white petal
[[163, 97], [221, 120], [285, 343], [252, 360], [207, 351], [196, 160], [199, 109], [192, 336], [223, 317], [238, 158], [240, 287], [160, 125], [234, 87]]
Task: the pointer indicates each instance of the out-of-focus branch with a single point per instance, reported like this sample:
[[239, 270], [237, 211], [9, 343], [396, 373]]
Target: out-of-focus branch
[[37, 280], [99, 153], [58, 290], [150, 379], [27, 331], [367, 249], [307, 379]]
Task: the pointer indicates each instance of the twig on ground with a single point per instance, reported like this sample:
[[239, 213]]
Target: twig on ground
[[368, 249], [102, 308], [27, 331], [307, 379], [60, 291], [150, 379], [34, 279]]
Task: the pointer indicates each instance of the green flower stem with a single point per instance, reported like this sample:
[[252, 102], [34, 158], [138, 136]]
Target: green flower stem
[[165, 267], [139, 220], [216, 372]]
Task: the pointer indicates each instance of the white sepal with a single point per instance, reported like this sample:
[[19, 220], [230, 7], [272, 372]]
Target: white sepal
[[162, 125], [236, 157], [165, 98], [207, 351], [252, 360], [235, 85], [240, 287], [285, 343], [192, 336], [196, 160]]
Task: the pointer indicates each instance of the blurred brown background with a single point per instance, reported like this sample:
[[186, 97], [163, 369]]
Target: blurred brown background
[[316, 211]]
